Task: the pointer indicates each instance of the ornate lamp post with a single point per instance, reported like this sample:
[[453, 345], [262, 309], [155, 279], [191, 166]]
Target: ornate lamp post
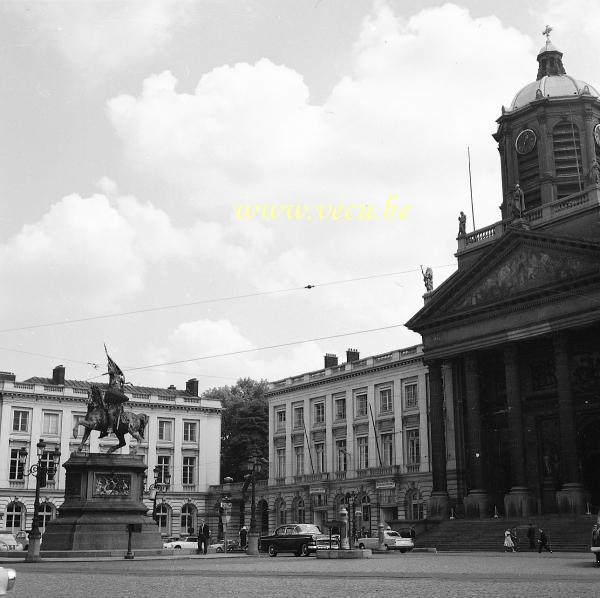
[[254, 466], [162, 486], [40, 470]]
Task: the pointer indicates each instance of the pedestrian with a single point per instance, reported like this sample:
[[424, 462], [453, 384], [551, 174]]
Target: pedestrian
[[508, 543], [243, 537], [515, 539], [531, 536], [203, 536], [543, 541]]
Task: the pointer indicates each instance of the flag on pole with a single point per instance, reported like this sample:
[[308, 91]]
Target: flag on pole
[[113, 368]]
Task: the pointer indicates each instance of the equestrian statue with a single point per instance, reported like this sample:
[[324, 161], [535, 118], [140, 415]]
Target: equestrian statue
[[105, 411]]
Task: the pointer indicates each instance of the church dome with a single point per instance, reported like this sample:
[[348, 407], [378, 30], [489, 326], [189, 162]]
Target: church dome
[[552, 80]]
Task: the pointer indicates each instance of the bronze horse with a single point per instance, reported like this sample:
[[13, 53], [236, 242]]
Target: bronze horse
[[97, 419]]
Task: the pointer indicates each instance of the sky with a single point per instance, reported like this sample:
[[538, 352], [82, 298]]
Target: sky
[[173, 174]]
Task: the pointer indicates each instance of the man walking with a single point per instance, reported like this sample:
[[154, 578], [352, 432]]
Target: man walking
[[203, 536], [543, 541], [531, 536]]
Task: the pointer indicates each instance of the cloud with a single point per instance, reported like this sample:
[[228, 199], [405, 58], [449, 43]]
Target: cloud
[[104, 37]]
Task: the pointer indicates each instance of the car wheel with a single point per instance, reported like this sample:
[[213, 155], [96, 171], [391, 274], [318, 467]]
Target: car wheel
[[303, 550], [272, 550], [403, 550], [219, 549], [177, 547], [386, 547], [361, 546]]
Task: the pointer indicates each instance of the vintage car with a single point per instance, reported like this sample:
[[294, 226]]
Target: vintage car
[[188, 542], [301, 539], [9, 542], [392, 540]]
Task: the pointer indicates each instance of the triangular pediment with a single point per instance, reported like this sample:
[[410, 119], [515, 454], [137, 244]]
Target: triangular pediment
[[518, 268]]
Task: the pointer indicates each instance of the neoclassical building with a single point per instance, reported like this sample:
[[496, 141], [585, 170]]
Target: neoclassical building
[[354, 434], [182, 439], [518, 323]]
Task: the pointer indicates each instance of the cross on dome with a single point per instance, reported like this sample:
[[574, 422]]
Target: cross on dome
[[546, 32]]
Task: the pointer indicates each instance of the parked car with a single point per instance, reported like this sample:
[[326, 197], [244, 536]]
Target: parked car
[[391, 539], [301, 539], [9, 542], [7, 580], [188, 542]]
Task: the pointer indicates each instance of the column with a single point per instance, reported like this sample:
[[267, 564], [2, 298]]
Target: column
[[476, 503], [438, 504], [571, 498], [518, 503]]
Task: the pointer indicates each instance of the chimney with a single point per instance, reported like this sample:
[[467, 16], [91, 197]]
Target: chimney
[[172, 387], [191, 386], [352, 355], [331, 360], [58, 375]]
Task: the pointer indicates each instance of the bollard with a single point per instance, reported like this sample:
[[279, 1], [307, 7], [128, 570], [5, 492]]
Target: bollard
[[381, 536]]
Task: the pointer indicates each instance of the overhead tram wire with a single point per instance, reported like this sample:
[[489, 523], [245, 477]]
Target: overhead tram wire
[[278, 346], [205, 301]]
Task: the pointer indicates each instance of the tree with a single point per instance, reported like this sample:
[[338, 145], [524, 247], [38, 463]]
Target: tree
[[244, 425]]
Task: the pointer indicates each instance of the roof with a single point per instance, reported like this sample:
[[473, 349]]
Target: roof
[[551, 87]]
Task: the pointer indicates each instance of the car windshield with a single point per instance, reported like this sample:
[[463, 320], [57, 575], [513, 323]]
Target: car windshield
[[395, 534], [306, 528]]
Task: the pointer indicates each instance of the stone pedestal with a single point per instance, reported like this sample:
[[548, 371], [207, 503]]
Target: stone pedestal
[[103, 498], [519, 503], [439, 506], [571, 500], [477, 504]]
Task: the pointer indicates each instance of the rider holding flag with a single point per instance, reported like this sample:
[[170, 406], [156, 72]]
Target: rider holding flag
[[114, 397]]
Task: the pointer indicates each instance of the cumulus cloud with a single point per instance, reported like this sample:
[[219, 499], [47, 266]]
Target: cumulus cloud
[[104, 37]]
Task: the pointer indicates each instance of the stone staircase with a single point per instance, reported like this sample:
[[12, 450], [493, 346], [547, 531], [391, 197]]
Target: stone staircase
[[566, 534]]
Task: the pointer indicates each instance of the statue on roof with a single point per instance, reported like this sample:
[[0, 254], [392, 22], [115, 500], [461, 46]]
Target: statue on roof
[[462, 224], [427, 278], [594, 173], [518, 202]]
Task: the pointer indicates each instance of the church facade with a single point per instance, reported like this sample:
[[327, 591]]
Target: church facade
[[518, 323]]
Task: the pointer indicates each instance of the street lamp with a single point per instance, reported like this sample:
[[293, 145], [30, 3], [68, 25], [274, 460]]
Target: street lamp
[[40, 470], [356, 513], [162, 486], [254, 465]]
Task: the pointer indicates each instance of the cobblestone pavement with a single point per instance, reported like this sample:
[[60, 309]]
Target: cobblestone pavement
[[444, 575]]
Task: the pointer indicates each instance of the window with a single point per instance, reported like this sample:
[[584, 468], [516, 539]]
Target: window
[[20, 421], [340, 409], [366, 508], [411, 397], [281, 513], [46, 513], [14, 517], [342, 455], [414, 504], [387, 449], [319, 413], [298, 460], [78, 430], [188, 513], [162, 518], [280, 420], [50, 424], [362, 444], [280, 468], [187, 471], [15, 468], [413, 449], [164, 429], [164, 465], [320, 457], [300, 516], [298, 416], [48, 462], [189, 431], [385, 400], [361, 404]]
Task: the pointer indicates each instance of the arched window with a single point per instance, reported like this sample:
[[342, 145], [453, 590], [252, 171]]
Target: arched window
[[299, 511], [46, 513], [414, 504], [366, 509], [188, 516], [263, 510], [567, 158], [280, 510], [163, 518], [15, 517]]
